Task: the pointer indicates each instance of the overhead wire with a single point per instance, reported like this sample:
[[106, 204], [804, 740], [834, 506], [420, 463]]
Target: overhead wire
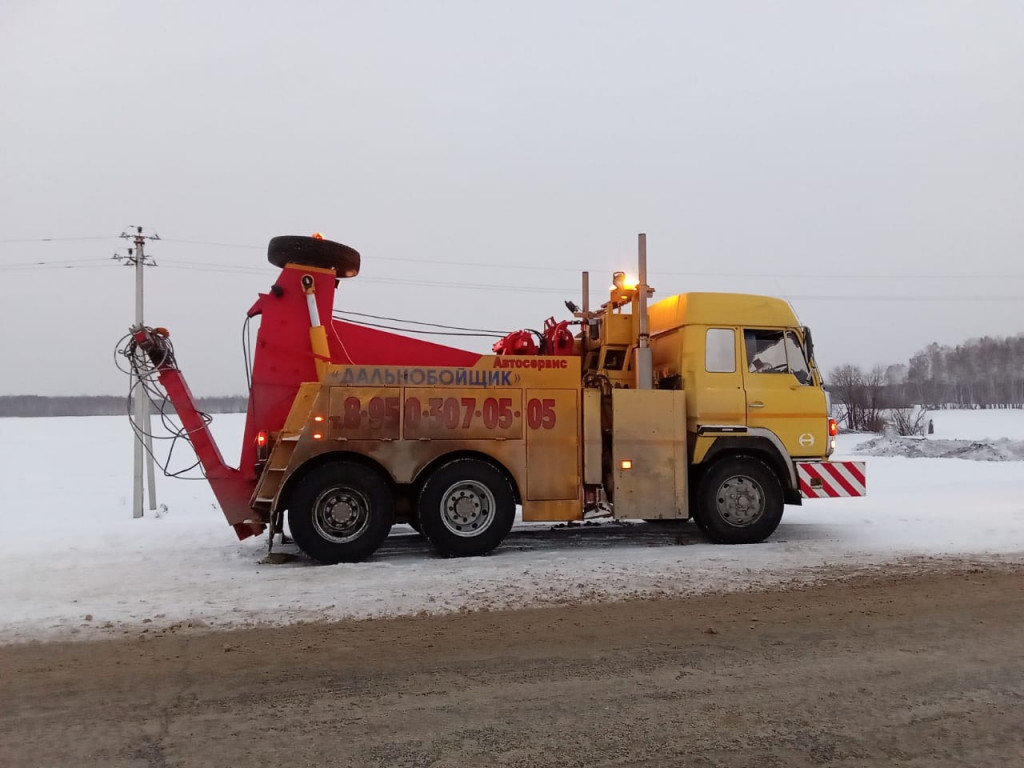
[[426, 333], [454, 285], [547, 268], [60, 264], [672, 273], [56, 239], [337, 313], [222, 268], [214, 244]]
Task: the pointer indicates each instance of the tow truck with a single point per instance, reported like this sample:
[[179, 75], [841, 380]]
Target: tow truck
[[702, 406]]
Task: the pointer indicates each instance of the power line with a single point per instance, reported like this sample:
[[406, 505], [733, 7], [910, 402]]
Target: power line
[[368, 324], [906, 298], [670, 273], [215, 244], [55, 239], [230, 269], [58, 265], [451, 285], [218, 268], [342, 314], [238, 267], [406, 259]]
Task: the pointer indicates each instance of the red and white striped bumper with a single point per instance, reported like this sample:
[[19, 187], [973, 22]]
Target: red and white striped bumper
[[830, 479]]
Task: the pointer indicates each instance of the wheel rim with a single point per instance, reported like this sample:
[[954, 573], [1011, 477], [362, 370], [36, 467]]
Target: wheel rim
[[467, 508], [341, 514], [740, 501]]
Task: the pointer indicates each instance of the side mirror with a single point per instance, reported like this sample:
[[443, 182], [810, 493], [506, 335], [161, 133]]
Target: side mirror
[[808, 343]]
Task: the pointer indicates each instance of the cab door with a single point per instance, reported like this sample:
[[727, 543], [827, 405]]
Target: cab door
[[781, 393]]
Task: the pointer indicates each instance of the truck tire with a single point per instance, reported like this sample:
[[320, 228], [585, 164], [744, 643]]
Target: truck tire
[[341, 512], [466, 508], [739, 501], [313, 252]]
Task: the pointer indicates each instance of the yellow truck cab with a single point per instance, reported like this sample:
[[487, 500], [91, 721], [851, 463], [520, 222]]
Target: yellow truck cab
[[751, 385]]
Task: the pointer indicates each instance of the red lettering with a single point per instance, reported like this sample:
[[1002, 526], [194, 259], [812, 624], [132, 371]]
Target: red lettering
[[540, 414], [352, 416], [412, 412], [392, 414], [505, 416], [469, 403], [375, 410], [489, 411], [547, 414], [435, 404], [451, 413]]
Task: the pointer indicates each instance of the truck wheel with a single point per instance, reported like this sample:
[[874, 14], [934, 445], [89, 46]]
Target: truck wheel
[[341, 512], [739, 501], [466, 508], [313, 252]]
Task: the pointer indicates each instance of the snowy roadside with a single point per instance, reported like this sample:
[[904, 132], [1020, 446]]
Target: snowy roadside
[[75, 564]]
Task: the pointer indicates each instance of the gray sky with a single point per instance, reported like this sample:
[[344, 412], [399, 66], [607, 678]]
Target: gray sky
[[862, 159]]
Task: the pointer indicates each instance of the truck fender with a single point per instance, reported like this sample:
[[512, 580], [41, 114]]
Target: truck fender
[[281, 502], [425, 472], [762, 444]]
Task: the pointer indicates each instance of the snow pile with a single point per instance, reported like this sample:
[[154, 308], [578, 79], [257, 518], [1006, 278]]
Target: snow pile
[[74, 563], [918, 448]]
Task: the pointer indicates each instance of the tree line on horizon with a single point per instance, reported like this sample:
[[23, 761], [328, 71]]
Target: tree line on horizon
[[102, 405], [980, 373]]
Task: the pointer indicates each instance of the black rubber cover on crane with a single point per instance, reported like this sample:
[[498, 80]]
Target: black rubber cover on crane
[[313, 252]]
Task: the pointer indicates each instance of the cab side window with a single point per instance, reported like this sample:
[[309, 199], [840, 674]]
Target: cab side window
[[766, 351], [720, 350]]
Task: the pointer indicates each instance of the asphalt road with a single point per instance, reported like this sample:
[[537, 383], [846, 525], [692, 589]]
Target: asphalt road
[[897, 668]]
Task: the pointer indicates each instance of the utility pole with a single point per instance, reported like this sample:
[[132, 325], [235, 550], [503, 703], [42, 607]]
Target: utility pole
[[137, 258]]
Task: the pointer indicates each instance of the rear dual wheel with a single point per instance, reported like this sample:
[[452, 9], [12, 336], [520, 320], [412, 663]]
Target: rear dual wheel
[[341, 512], [466, 507]]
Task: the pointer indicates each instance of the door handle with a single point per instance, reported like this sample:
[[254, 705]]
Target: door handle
[[757, 404]]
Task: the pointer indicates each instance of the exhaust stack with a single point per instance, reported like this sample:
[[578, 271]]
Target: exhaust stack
[[642, 362]]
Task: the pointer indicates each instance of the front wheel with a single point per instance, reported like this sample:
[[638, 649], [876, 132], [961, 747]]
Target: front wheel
[[466, 508], [341, 512], [739, 501]]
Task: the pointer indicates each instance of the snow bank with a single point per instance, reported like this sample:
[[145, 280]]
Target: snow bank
[[74, 563], [917, 447]]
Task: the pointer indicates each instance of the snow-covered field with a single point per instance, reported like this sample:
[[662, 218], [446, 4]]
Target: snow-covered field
[[73, 562]]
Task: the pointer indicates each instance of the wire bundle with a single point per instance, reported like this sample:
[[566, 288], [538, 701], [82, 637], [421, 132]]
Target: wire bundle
[[143, 374]]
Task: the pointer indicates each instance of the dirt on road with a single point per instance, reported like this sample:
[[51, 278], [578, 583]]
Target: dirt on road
[[888, 669]]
